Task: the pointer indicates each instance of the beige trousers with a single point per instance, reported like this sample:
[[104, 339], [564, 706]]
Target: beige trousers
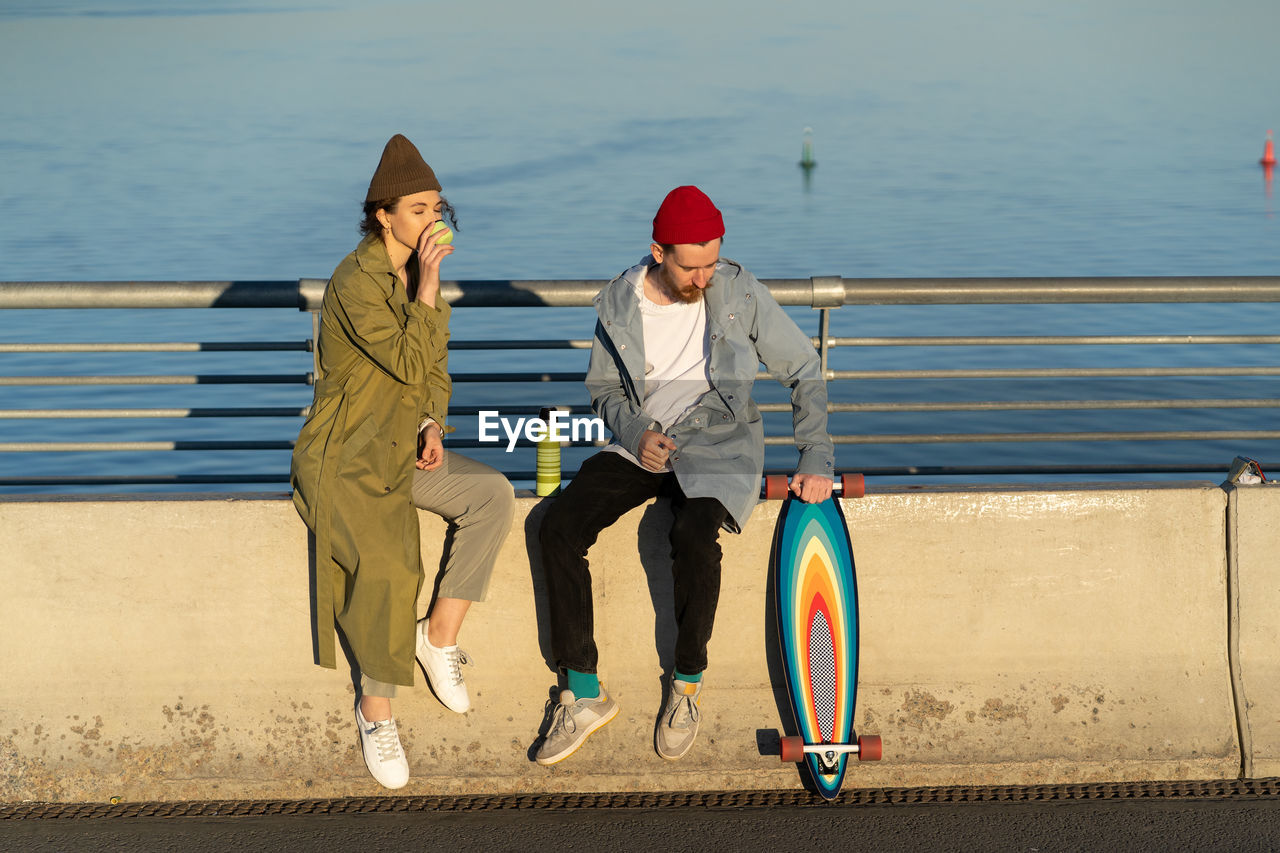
[[478, 502]]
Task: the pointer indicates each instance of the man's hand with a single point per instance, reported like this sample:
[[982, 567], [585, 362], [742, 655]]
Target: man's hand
[[430, 449], [654, 449], [812, 488]]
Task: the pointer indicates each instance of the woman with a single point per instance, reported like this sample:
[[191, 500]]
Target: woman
[[371, 451]]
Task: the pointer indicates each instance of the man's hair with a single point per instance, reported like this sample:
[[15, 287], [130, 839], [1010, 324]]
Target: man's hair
[[668, 247]]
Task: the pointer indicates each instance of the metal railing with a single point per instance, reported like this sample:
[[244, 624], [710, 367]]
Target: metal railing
[[822, 293]]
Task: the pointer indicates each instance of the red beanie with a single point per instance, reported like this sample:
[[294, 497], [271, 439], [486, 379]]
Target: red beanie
[[687, 216]]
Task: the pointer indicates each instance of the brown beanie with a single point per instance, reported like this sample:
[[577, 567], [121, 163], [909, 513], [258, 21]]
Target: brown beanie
[[401, 172]]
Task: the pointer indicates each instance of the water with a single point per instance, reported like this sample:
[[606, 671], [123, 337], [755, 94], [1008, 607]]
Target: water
[[154, 140]]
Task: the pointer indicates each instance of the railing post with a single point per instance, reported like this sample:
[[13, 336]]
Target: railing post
[[313, 344], [827, 293], [310, 294]]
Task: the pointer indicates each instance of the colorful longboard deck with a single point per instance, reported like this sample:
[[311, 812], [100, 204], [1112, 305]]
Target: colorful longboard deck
[[816, 599]]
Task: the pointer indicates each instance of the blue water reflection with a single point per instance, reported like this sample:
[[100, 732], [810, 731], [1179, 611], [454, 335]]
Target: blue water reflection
[[156, 141]]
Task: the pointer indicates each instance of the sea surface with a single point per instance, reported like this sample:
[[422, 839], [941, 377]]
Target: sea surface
[[157, 141]]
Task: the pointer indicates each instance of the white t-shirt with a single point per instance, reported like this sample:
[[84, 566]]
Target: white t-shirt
[[676, 360]]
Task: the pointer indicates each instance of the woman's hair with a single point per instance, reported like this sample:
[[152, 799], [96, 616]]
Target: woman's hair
[[370, 224]]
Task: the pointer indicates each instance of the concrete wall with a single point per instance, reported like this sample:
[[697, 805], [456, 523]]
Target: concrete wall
[[160, 649]]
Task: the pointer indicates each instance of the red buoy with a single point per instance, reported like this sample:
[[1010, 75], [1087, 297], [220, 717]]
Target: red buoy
[[1268, 152]]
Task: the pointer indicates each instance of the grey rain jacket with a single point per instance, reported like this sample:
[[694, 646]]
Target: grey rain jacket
[[720, 443]]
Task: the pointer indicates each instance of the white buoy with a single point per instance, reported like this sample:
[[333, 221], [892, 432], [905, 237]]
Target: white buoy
[[806, 151]]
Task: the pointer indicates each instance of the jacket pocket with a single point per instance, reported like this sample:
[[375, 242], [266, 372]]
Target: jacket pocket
[[357, 439]]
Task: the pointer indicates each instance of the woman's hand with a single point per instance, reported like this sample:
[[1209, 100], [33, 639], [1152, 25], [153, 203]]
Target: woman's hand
[[430, 449], [430, 254]]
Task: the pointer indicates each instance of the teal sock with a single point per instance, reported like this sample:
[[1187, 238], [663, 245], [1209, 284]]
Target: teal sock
[[585, 685], [691, 679]]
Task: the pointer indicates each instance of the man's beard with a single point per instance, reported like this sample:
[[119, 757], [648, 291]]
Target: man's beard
[[689, 297]]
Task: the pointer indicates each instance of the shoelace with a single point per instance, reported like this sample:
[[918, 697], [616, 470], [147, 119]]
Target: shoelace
[[562, 720], [676, 720], [456, 658], [387, 740]]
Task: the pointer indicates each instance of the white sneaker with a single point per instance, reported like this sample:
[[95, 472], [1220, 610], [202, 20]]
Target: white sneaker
[[444, 671], [383, 754]]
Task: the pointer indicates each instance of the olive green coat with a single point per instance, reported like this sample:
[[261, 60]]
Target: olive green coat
[[383, 362]]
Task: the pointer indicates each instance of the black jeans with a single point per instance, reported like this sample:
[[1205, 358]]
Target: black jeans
[[607, 486]]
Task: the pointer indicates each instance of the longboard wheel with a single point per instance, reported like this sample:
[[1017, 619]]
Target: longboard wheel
[[869, 748], [852, 486], [792, 749], [775, 487]]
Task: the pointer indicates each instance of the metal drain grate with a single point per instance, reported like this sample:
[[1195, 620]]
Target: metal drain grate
[[1236, 789]]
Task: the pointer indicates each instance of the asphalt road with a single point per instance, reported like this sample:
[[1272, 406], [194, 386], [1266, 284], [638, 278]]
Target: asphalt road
[[1201, 825]]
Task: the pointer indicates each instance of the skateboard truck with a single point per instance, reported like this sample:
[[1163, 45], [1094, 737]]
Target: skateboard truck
[[793, 749], [776, 486]]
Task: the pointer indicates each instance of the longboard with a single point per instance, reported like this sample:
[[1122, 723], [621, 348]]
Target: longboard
[[816, 597]]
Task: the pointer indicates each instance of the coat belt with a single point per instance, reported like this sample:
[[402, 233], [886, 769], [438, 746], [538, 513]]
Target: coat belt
[[327, 571]]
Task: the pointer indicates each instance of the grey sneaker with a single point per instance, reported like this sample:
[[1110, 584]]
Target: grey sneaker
[[443, 667], [573, 722], [678, 726]]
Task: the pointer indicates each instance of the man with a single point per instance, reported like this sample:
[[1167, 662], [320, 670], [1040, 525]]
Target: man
[[678, 343]]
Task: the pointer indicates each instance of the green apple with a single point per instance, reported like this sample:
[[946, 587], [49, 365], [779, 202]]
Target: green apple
[[445, 238]]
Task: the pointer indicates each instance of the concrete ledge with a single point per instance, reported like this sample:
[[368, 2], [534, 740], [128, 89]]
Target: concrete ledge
[[160, 649]]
